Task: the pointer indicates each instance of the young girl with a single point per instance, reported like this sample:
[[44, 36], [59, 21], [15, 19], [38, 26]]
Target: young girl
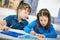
[[17, 21], [42, 27]]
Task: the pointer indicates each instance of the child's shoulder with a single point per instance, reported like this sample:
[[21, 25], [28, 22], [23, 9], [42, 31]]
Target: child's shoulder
[[10, 16], [51, 26], [35, 20]]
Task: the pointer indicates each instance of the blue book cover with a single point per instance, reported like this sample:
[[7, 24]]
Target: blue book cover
[[11, 33]]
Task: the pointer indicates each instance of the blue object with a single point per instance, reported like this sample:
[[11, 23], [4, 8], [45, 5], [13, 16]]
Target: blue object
[[10, 33], [12, 20], [29, 37], [18, 35], [50, 33]]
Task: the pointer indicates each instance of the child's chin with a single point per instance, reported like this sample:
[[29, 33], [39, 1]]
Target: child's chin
[[44, 25]]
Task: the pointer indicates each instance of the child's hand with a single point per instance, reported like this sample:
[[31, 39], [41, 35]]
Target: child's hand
[[40, 36], [6, 28], [32, 33], [36, 34]]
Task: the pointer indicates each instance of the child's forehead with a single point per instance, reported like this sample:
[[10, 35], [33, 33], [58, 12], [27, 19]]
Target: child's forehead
[[43, 17]]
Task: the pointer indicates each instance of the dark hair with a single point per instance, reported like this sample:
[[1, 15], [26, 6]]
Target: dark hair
[[44, 12], [23, 5]]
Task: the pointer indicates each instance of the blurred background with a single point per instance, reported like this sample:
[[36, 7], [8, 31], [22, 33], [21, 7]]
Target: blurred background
[[36, 5]]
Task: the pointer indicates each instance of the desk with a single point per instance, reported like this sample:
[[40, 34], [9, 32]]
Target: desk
[[20, 31], [16, 38]]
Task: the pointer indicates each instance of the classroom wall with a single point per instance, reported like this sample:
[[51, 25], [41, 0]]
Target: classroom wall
[[52, 5]]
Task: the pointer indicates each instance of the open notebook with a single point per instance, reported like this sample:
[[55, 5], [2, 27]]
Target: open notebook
[[18, 35]]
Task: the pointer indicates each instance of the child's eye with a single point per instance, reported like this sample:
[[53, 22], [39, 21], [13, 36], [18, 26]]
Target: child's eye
[[41, 20]]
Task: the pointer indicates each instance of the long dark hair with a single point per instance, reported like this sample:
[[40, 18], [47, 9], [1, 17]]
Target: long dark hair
[[44, 12], [23, 5]]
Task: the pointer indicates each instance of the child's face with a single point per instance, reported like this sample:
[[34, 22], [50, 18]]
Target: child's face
[[43, 20], [23, 14]]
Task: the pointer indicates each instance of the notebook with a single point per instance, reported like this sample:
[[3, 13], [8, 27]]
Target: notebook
[[18, 35], [11, 33]]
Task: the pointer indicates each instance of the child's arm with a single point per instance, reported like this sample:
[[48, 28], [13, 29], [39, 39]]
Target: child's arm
[[36, 34], [29, 27], [40, 35], [52, 33], [33, 33]]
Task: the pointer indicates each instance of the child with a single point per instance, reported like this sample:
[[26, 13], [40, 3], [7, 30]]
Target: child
[[17, 21], [42, 27]]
